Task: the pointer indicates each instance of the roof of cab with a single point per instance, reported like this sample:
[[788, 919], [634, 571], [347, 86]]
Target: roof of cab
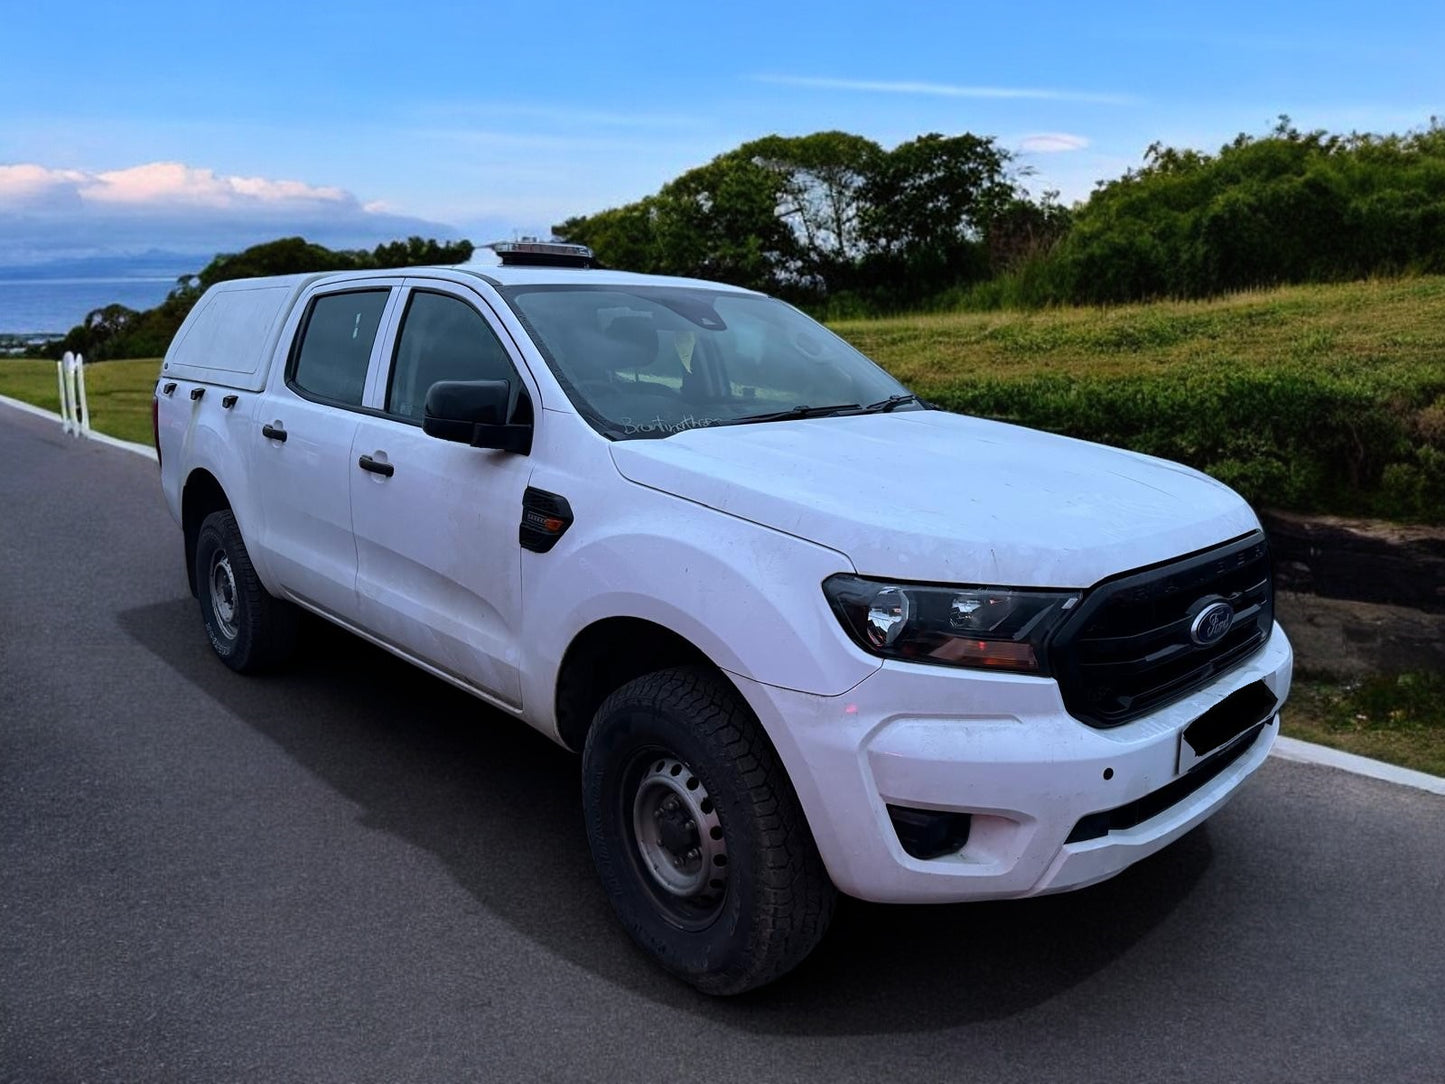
[[490, 273], [566, 276], [526, 276]]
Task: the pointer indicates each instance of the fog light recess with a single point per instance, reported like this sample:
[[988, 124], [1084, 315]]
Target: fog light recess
[[929, 833]]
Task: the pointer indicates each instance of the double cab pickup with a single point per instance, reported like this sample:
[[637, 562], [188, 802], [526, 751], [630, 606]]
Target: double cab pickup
[[809, 634]]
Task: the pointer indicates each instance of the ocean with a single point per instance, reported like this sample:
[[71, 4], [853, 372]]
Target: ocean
[[57, 305]]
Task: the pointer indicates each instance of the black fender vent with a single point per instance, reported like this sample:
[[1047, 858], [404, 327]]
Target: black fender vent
[[545, 519]]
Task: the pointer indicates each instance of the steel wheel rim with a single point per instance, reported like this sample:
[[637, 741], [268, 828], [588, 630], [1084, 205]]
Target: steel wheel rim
[[223, 595], [678, 840]]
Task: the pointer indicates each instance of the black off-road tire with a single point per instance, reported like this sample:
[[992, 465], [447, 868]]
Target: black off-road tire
[[249, 629], [775, 901]]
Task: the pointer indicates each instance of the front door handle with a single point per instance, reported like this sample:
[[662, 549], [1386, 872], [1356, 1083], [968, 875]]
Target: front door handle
[[274, 432], [376, 466]]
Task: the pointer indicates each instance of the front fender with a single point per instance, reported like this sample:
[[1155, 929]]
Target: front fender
[[748, 597]]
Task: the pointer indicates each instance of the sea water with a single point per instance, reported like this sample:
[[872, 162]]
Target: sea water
[[57, 305]]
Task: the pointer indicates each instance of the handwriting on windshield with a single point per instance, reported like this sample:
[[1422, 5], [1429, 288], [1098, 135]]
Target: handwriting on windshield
[[662, 425]]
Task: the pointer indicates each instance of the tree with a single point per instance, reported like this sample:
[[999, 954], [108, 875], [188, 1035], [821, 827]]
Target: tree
[[822, 179], [286, 256], [421, 252], [720, 221], [1022, 230], [938, 190], [1289, 206], [623, 237], [823, 216], [717, 221]]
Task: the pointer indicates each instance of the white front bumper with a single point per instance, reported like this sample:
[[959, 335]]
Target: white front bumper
[[1004, 749]]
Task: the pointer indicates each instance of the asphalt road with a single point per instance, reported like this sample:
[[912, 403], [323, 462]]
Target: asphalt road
[[352, 872]]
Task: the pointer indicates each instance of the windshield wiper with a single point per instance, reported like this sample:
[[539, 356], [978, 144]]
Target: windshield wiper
[[796, 412], [883, 406]]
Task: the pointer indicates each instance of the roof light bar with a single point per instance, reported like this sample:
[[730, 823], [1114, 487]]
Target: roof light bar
[[529, 252]]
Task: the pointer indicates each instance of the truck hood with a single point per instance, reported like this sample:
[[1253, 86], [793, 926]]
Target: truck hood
[[931, 495]]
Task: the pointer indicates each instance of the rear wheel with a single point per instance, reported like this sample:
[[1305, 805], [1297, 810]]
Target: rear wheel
[[697, 834], [248, 628]]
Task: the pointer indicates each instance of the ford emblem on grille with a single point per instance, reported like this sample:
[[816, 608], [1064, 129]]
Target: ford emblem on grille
[[1212, 623]]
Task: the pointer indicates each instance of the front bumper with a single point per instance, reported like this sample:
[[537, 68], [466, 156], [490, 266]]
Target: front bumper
[[1003, 749]]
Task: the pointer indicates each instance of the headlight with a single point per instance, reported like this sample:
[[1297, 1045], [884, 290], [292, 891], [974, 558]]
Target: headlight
[[993, 627]]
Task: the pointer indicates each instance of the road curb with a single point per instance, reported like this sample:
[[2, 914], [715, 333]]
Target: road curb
[[104, 438], [1305, 752]]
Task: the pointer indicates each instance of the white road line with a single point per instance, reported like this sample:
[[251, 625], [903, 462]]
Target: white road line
[[1284, 748], [104, 438]]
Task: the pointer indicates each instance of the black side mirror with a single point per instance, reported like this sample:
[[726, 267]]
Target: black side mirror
[[475, 412]]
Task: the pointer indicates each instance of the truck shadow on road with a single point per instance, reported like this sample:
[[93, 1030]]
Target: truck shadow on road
[[500, 806]]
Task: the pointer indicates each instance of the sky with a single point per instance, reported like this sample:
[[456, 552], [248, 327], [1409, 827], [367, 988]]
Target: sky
[[199, 127]]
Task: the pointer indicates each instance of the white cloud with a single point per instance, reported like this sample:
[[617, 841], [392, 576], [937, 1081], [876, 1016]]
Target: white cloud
[[26, 181], [37, 190], [50, 214], [159, 184], [1052, 142], [945, 90]]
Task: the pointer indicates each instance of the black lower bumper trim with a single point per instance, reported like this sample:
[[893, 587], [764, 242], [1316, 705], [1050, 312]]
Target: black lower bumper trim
[[1132, 814]]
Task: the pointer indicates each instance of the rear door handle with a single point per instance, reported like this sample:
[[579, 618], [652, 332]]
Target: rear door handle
[[273, 432], [376, 466]]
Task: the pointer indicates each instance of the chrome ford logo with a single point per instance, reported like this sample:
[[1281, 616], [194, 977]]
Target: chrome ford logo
[[1212, 623]]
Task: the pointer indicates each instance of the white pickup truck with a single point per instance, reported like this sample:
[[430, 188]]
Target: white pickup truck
[[808, 633]]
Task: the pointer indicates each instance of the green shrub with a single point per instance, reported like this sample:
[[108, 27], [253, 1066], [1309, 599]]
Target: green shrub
[[1283, 439], [1288, 207]]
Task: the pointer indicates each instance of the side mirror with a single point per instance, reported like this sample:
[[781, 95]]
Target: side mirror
[[475, 412]]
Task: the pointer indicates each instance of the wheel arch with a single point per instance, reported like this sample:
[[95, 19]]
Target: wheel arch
[[201, 495], [607, 654]]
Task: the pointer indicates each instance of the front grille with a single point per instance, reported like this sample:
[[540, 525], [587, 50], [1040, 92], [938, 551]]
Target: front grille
[[1128, 649]]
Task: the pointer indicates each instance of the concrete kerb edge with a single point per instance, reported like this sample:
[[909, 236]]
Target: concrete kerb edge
[[103, 438], [1284, 748], [1309, 753]]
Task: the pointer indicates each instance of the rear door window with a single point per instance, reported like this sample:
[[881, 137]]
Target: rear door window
[[335, 349]]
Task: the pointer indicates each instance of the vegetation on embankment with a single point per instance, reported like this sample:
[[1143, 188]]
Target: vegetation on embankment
[[1311, 398], [1398, 718], [118, 392], [1287, 207]]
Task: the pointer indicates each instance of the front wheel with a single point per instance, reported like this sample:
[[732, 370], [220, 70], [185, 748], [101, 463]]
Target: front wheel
[[698, 835]]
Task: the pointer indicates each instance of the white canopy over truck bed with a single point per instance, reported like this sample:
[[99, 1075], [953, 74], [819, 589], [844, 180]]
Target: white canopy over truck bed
[[232, 332]]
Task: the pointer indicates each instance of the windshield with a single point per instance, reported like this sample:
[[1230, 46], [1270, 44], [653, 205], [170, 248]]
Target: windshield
[[643, 362]]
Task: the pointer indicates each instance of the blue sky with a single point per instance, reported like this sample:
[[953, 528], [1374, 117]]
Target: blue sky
[[199, 126]]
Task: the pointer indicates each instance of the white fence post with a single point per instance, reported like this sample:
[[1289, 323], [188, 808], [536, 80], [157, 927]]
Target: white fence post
[[60, 376], [74, 409], [69, 415], [80, 386]]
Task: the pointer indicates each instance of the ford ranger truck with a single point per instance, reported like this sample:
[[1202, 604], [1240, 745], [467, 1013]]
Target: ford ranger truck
[[809, 634]]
